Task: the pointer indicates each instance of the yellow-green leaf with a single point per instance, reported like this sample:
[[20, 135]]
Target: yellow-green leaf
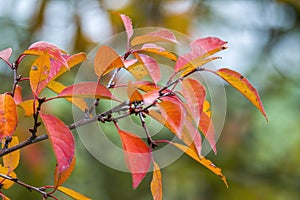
[[8, 115], [240, 83], [11, 160], [156, 183], [73, 193]]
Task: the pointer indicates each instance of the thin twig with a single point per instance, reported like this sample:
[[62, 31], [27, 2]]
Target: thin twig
[[150, 141], [29, 187], [23, 144]]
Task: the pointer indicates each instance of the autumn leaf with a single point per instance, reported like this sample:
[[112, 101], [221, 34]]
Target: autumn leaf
[[5, 55], [63, 145], [27, 106], [155, 49], [86, 90], [72, 193], [200, 50], [58, 87], [11, 160], [150, 97], [151, 65], [242, 84], [133, 93], [194, 93], [138, 71], [128, 26], [6, 184], [173, 112], [156, 36], [137, 156], [156, 183], [106, 59], [4, 197], [18, 94], [39, 72], [207, 128], [8, 115], [202, 160]]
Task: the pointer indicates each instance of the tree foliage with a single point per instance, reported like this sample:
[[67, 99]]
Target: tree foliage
[[184, 111]]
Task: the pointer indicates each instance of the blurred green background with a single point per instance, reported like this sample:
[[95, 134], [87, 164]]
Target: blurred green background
[[260, 160]]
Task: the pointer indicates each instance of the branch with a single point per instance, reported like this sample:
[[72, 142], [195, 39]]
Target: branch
[[23, 144], [29, 187]]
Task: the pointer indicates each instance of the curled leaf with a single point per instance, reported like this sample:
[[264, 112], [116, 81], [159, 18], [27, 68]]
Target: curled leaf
[[242, 84], [106, 59], [8, 115], [137, 156]]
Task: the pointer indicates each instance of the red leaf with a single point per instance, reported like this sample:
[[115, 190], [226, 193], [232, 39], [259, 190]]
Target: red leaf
[[242, 84], [194, 93], [194, 134], [137, 156], [200, 50], [156, 36], [151, 66], [173, 112], [106, 59], [8, 115], [207, 128], [5, 55], [63, 145], [156, 183], [128, 26], [87, 90]]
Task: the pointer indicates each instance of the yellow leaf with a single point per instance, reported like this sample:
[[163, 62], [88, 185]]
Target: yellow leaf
[[8, 115], [60, 178], [202, 160], [138, 71], [57, 87], [240, 83], [39, 72], [106, 59], [11, 160], [72, 193], [198, 62], [163, 53], [6, 184], [156, 183], [27, 106]]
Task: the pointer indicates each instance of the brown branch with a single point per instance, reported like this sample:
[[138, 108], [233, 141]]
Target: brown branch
[[29, 187], [23, 144]]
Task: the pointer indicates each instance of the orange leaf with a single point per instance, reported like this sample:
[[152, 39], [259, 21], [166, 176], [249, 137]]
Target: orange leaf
[[18, 94], [240, 83], [137, 156], [156, 183], [11, 160], [39, 72], [194, 93], [151, 66], [156, 36], [86, 90], [205, 162], [73, 193], [6, 184], [57, 87], [63, 145], [133, 94], [106, 59], [207, 128], [27, 106], [173, 112], [150, 97], [8, 115]]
